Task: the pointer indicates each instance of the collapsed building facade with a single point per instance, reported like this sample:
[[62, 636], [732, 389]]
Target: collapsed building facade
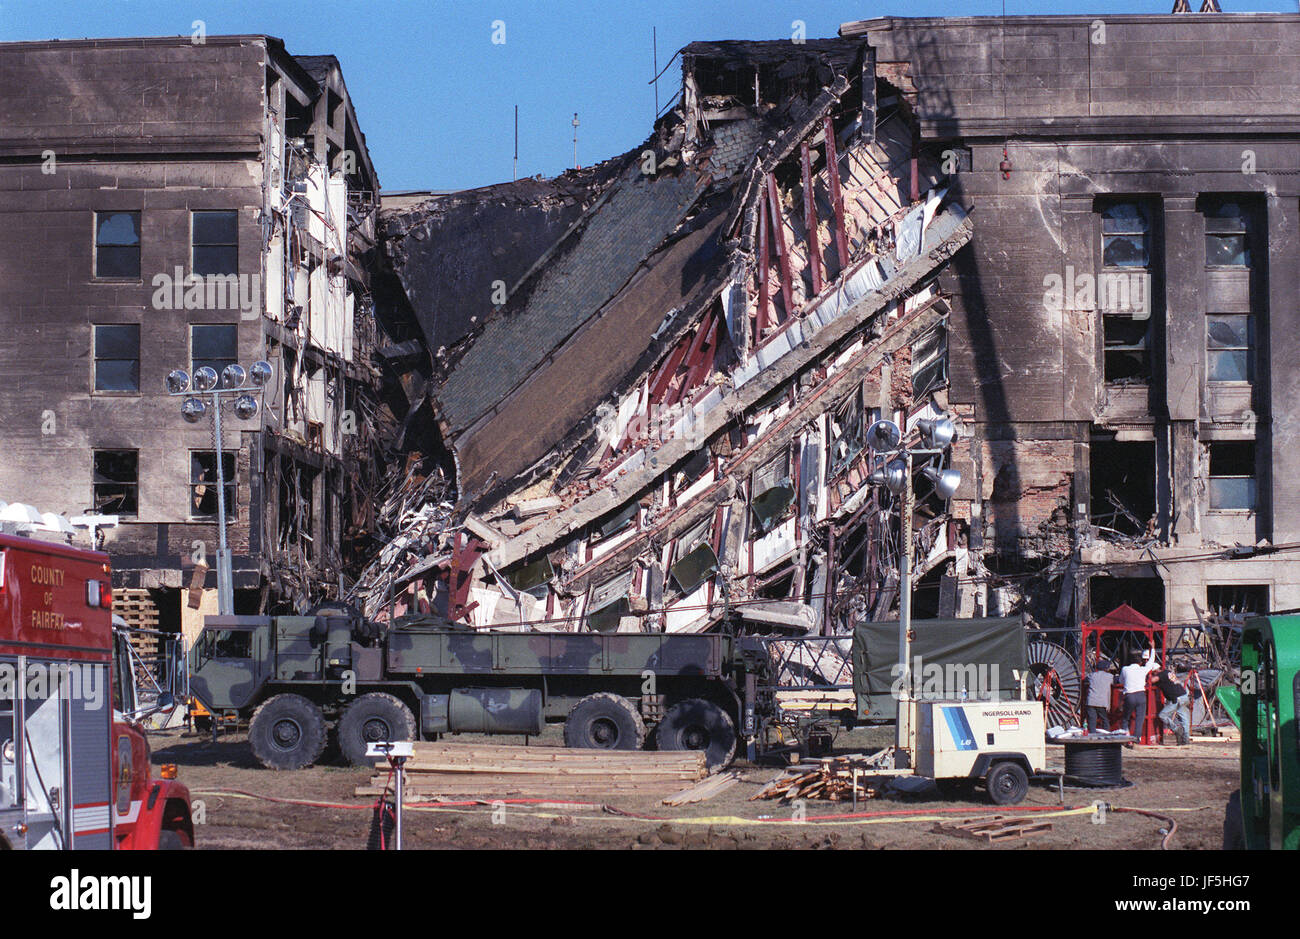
[[1076, 237], [170, 203]]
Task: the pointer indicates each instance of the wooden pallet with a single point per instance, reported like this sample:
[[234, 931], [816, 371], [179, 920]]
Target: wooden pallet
[[995, 828], [138, 611]]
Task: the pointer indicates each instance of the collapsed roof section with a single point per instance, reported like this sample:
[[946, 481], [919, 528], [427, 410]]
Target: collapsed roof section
[[669, 408]]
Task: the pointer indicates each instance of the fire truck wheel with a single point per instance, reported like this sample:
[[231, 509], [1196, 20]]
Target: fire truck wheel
[[287, 732], [373, 718], [171, 840], [696, 724], [604, 721], [1006, 783]]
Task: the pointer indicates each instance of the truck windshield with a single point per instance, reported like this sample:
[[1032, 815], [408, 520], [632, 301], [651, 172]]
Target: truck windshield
[[223, 644]]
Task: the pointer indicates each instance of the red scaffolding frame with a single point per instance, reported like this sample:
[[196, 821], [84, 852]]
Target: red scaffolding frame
[[1125, 619]]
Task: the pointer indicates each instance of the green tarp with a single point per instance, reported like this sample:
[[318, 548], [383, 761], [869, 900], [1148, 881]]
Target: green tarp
[[982, 655]]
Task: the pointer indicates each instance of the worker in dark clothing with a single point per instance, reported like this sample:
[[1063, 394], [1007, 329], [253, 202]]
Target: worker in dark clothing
[[1096, 706], [1176, 713]]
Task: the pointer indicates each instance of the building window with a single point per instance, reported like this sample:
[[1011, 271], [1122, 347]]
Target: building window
[[1232, 476], [203, 484], [1125, 235], [930, 361], [609, 603], [1227, 234], [772, 491], [117, 358], [1230, 341], [847, 430], [624, 518], [117, 245], [533, 578], [215, 243], [1236, 600], [116, 482], [1126, 352], [214, 346], [696, 559]]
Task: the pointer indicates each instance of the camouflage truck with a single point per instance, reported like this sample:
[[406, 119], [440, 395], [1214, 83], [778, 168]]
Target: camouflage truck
[[294, 677]]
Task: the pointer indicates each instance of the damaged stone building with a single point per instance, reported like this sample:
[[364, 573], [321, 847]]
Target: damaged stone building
[[172, 203], [1074, 236]]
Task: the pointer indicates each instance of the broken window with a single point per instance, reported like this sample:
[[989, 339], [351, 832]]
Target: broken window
[[117, 244], [848, 426], [1232, 476], [203, 483], [215, 242], [1125, 235], [116, 482], [1123, 482], [1145, 594], [213, 346], [1242, 599], [930, 361], [772, 491], [1126, 348], [609, 603], [1230, 342], [620, 520], [1227, 234], [117, 358], [696, 559], [533, 577]]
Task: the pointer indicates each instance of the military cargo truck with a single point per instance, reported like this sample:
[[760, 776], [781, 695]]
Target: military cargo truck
[[292, 677]]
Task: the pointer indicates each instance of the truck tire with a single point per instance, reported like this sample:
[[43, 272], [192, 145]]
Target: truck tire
[[373, 718], [287, 732], [604, 721], [1234, 832], [696, 724], [1006, 783], [169, 839]]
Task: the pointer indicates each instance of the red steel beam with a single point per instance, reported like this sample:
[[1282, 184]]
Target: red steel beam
[[782, 250], [760, 323], [837, 198], [810, 219]]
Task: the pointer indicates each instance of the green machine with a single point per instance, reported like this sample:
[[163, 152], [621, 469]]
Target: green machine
[[1265, 811]]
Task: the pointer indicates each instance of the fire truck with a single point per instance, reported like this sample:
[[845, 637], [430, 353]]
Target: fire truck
[[75, 767]]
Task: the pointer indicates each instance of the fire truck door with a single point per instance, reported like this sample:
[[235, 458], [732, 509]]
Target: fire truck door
[[45, 732], [10, 806]]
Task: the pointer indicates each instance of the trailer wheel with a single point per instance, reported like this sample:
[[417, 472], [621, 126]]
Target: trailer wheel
[[373, 718], [287, 732], [604, 721], [696, 724], [1006, 783]]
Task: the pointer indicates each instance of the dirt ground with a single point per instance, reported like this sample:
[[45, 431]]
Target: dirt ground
[[231, 790]]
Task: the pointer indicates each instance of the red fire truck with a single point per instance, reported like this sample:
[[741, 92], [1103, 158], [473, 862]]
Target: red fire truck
[[75, 768]]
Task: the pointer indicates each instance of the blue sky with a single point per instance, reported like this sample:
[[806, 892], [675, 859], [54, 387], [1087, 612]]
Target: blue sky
[[435, 96]]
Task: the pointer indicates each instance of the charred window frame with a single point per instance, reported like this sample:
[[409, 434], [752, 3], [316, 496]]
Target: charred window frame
[[1231, 234], [214, 345], [1227, 600], [772, 493], [214, 242], [848, 426], [117, 357], [609, 602], [116, 482], [117, 245], [696, 560], [930, 361], [203, 484], [1127, 230], [629, 516], [1232, 476]]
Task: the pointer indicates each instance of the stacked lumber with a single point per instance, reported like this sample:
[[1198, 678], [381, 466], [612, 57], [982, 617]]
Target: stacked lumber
[[473, 770], [138, 611], [701, 791], [832, 778]]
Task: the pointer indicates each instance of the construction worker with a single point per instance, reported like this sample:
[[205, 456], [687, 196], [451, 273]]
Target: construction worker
[[1178, 703], [1133, 677], [1096, 706]]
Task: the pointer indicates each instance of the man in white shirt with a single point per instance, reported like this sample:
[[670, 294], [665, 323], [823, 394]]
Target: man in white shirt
[[1133, 677]]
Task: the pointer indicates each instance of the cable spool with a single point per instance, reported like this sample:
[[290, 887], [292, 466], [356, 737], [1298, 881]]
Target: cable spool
[[1054, 667], [1096, 765]]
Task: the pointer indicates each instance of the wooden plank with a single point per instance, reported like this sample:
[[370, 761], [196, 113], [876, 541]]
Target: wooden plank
[[705, 790]]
